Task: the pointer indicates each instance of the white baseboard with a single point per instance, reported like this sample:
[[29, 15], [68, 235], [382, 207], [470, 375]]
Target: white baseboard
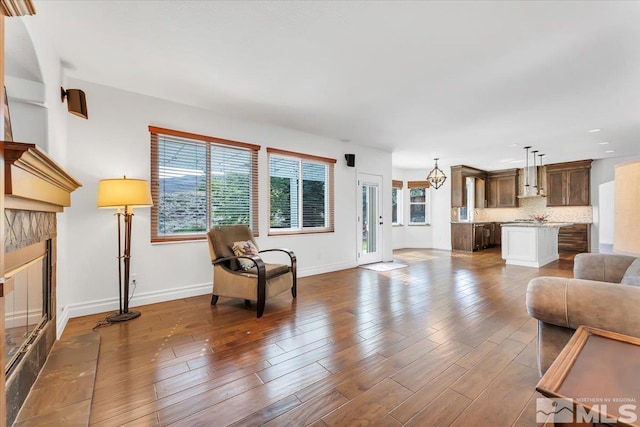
[[110, 304], [303, 272], [61, 322]]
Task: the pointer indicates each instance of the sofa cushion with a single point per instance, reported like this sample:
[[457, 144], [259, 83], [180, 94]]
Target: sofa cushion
[[632, 275], [271, 270], [244, 248]]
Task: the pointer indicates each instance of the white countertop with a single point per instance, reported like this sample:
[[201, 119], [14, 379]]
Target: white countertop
[[537, 224]]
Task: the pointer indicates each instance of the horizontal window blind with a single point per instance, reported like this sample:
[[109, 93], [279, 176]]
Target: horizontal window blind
[[300, 192], [200, 183], [397, 184]]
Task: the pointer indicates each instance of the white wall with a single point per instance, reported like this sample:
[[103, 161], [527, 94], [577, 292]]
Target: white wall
[[54, 123], [437, 234], [606, 216], [602, 171], [115, 142]]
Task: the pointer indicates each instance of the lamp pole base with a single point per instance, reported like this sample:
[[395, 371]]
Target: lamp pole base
[[123, 317]]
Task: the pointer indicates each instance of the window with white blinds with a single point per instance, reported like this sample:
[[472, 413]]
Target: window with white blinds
[[419, 202], [300, 193], [198, 182]]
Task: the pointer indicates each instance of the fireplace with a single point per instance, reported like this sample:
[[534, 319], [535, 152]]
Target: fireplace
[[27, 303], [36, 189]]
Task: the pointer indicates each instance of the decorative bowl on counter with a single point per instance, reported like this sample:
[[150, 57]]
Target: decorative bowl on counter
[[540, 218]]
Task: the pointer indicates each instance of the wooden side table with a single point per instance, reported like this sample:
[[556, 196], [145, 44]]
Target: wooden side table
[[598, 372]]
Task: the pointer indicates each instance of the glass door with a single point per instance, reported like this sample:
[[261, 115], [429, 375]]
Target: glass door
[[370, 219]]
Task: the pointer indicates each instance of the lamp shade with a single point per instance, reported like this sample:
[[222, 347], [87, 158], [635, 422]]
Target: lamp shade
[[120, 192]]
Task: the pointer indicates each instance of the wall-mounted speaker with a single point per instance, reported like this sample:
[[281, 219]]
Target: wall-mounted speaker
[[351, 159], [76, 102]]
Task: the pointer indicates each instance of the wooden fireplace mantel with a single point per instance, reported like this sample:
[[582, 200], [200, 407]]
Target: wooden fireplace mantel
[[33, 181]]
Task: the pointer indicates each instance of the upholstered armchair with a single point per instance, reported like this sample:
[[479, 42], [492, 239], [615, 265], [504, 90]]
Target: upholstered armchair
[[240, 272], [594, 297]]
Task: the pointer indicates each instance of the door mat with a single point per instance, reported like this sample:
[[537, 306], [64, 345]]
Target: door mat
[[384, 266]]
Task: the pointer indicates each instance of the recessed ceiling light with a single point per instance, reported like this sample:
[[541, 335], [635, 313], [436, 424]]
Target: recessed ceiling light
[[610, 151], [516, 161], [512, 145], [603, 143], [594, 130]]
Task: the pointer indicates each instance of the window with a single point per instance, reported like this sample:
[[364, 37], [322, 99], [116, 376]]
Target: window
[[419, 202], [198, 182], [300, 193], [396, 202]]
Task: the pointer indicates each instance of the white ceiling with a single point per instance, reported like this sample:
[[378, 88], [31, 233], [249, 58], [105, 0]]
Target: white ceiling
[[462, 81]]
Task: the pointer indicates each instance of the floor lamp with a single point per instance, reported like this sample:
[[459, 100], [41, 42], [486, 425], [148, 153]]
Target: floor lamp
[[124, 194]]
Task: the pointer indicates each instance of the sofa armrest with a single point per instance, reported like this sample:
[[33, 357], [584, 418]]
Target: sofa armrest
[[601, 267], [570, 303]]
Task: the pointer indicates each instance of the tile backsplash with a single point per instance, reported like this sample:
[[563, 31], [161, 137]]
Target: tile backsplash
[[536, 206]]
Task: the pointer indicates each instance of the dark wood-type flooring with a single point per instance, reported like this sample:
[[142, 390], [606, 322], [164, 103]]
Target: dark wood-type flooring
[[444, 341]]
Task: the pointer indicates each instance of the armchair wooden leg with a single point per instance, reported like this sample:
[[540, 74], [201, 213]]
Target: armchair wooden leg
[[262, 292], [261, 304], [214, 299], [294, 273]]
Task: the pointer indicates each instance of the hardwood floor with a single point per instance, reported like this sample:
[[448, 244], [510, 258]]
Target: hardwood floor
[[444, 341]]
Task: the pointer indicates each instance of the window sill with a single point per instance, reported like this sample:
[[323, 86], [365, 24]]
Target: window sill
[[297, 232], [171, 242], [418, 224], [397, 225]]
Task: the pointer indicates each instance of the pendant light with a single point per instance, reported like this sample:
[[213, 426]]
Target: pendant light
[[526, 170], [535, 174], [540, 188], [436, 177]]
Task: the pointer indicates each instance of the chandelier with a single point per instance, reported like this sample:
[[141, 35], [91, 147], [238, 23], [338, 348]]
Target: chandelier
[[436, 177]]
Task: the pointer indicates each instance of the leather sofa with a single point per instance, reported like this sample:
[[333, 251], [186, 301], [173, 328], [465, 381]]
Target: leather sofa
[[593, 297]]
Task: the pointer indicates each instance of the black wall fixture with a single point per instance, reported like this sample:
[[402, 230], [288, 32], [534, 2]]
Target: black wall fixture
[[351, 159]]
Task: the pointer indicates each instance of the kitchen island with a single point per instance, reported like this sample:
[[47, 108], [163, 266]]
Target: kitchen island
[[530, 244]]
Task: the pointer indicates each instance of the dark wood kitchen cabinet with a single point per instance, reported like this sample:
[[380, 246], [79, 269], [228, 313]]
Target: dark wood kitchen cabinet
[[497, 234], [574, 238], [472, 236], [462, 238], [568, 184], [502, 189], [459, 175]]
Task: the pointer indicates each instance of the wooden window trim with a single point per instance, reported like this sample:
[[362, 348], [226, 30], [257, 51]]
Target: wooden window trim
[[155, 132], [271, 150], [330, 187], [205, 138], [397, 184]]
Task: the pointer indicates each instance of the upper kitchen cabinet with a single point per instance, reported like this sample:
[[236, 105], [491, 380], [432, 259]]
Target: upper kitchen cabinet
[[502, 189], [459, 175], [568, 184]]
